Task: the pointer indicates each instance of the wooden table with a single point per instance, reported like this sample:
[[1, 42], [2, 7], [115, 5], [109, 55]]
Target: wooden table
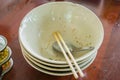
[[105, 67]]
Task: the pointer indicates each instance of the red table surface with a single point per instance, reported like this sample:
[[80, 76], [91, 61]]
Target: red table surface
[[106, 65]]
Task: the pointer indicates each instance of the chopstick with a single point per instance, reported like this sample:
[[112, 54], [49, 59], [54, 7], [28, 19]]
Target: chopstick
[[60, 40], [65, 55], [71, 56]]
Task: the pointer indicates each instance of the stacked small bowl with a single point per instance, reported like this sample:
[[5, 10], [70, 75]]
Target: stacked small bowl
[[6, 61], [77, 25]]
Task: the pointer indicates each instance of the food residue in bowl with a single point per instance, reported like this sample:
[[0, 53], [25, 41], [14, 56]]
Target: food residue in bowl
[[3, 55], [48, 52]]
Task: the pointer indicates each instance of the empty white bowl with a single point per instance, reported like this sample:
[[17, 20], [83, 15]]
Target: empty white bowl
[[77, 24]]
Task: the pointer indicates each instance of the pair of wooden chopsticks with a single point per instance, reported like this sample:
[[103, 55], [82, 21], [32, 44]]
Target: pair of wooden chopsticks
[[61, 43]]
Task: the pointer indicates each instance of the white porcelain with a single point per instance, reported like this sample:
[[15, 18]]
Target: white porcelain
[[62, 69], [56, 73], [24, 52], [56, 65], [76, 23]]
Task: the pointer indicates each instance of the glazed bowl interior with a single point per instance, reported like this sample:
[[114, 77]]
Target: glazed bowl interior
[[77, 25]]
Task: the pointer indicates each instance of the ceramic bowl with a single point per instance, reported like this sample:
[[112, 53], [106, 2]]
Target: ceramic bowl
[[77, 24]]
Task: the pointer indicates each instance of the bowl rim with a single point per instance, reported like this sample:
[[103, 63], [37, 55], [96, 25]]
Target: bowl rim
[[59, 69], [57, 74]]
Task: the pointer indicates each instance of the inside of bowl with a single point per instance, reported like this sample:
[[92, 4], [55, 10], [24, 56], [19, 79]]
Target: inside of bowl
[[77, 25]]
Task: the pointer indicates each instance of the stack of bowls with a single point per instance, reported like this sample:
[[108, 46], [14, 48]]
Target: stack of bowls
[[77, 25], [6, 61]]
